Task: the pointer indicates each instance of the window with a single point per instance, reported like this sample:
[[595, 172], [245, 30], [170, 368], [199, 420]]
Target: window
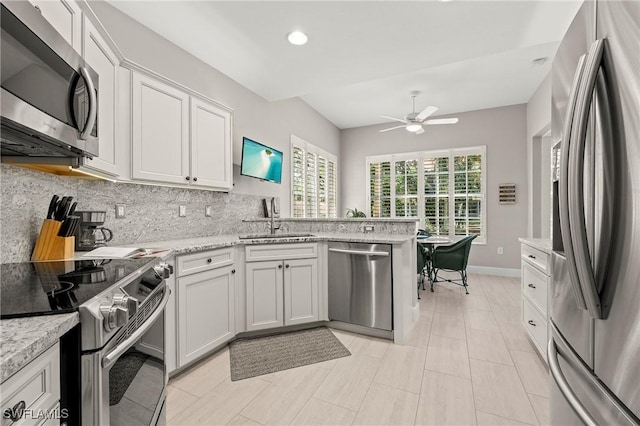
[[313, 181], [444, 190]]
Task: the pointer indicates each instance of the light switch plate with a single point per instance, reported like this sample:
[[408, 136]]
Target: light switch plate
[[182, 211], [121, 212], [207, 211]]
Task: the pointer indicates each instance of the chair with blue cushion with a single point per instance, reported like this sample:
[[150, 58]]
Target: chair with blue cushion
[[452, 258]]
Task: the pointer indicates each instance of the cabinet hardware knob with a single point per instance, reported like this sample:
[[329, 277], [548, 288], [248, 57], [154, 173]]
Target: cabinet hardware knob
[[531, 256], [187, 178], [532, 286], [209, 260], [531, 323], [233, 271], [195, 179], [286, 266], [279, 266], [14, 414]]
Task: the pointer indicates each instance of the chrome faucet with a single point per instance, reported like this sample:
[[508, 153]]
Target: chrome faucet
[[273, 213]]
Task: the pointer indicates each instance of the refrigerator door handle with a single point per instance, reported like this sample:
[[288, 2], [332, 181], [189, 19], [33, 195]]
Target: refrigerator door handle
[[565, 388], [563, 199], [576, 204]]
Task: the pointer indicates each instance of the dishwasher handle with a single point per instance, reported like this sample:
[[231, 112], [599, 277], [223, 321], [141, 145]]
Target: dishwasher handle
[[360, 252]]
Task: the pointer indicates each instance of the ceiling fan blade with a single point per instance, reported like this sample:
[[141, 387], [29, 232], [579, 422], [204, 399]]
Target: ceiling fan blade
[[419, 132], [395, 119], [442, 121], [426, 112], [391, 128]]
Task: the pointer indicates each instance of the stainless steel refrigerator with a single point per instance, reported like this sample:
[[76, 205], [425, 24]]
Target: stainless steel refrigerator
[[594, 349]]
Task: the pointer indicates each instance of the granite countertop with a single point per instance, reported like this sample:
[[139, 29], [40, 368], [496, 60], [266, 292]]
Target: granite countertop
[[22, 339], [192, 245], [543, 244]]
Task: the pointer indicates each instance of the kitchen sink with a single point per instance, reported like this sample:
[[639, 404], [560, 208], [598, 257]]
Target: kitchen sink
[[273, 236]]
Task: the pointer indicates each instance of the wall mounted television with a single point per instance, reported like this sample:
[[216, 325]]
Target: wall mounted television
[[260, 161]]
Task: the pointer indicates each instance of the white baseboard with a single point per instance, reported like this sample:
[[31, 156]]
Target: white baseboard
[[488, 270]]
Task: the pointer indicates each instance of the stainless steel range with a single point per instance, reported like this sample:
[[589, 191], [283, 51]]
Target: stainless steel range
[[113, 365]]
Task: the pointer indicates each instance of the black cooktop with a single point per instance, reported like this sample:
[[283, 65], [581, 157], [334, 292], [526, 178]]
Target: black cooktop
[[43, 288]]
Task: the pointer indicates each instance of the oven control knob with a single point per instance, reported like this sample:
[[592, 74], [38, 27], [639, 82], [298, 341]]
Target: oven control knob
[[126, 302], [114, 316]]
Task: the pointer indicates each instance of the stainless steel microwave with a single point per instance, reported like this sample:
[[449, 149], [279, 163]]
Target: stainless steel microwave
[[49, 95]]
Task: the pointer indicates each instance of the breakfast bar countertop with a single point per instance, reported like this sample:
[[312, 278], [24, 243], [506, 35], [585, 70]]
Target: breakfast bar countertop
[[192, 245], [23, 339]]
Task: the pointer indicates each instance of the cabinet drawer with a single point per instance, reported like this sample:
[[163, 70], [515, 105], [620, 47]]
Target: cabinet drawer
[[535, 325], [536, 257], [37, 385], [204, 261], [260, 252], [535, 286]]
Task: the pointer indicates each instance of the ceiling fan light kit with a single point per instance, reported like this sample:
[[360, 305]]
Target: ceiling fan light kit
[[414, 121]]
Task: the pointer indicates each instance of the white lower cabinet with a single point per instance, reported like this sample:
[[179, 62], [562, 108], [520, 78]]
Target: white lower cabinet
[[205, 301], [300, 291], [36, 388], [264, 294], [535, 293], [281, 292]]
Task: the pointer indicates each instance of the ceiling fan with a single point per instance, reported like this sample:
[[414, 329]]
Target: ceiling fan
[[414, 121]]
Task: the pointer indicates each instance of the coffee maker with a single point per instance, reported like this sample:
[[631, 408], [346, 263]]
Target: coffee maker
[[91, 233]]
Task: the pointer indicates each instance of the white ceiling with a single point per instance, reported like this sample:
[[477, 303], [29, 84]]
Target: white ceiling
[[364, 57]]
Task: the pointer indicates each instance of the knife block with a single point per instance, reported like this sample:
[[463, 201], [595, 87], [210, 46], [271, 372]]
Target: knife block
[[51, 247]]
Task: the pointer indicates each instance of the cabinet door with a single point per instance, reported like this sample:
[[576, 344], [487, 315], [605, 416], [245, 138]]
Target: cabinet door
[[65, 16], [300, 291], [99, 56], [211, 162], [264, 281], [160, 126], [205, 312]]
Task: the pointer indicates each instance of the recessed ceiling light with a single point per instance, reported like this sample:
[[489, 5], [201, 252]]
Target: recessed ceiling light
[[298, 38]]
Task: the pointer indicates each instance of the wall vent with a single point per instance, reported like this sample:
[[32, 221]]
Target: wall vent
[[507, 193]]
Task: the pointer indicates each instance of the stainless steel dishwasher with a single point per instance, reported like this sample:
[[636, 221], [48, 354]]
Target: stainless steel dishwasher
[[360, 284]]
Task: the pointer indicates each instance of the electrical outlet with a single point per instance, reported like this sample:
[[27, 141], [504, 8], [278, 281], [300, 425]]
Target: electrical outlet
[[182, 211], [121, 211], [368, 228], [207, 211], [500, 250]]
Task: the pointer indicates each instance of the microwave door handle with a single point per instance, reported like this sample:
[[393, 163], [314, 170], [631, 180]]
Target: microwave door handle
[[563, 199], [93, 107], [578, 230], [116, 352]]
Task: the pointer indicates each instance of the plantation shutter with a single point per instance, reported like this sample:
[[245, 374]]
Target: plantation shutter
[[297, 182]]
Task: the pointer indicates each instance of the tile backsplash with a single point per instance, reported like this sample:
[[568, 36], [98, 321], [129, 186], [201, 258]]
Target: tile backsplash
[[151, 211]]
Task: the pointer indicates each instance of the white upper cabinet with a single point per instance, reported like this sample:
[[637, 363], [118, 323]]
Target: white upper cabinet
[[103, 60], [65, 16], [179, 138], [210, 145], [160, 125]]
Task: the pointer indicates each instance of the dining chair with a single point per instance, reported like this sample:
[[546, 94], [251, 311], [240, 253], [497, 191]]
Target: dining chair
[[421, 265], [452, 258]]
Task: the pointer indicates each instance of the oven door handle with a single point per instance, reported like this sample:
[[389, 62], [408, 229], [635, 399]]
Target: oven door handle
[[112, 356]]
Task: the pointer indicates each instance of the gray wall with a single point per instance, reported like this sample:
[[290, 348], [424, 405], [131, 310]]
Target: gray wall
[[270, 123], [503, 130], [538, 124]]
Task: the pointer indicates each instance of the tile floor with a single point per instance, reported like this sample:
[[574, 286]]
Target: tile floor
[[467, 361]]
